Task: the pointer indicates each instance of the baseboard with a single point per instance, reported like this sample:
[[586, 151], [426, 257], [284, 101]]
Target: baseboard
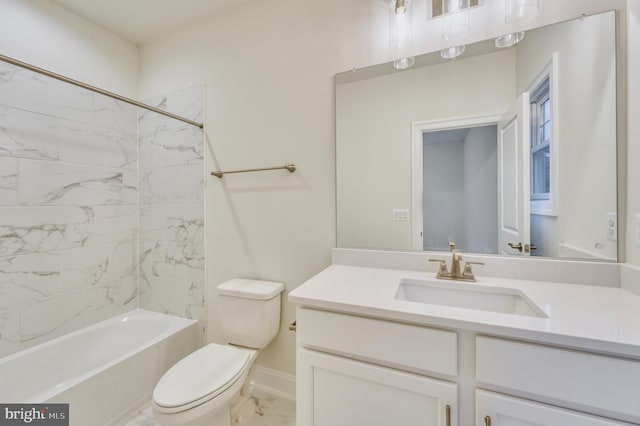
[[275, 382]]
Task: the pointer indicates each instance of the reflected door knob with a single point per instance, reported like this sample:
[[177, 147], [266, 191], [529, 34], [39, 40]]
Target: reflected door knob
[[516, 246]]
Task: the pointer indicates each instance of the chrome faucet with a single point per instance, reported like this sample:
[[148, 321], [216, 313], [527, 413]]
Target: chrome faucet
[[455, 273]]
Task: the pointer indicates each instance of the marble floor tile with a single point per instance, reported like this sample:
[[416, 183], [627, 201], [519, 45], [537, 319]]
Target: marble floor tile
[[272, 411]]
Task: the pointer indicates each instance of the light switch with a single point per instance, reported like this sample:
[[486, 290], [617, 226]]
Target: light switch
[[401, 214], [612, 226]]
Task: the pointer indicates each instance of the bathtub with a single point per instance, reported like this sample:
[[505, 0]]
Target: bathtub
[[102, 371]]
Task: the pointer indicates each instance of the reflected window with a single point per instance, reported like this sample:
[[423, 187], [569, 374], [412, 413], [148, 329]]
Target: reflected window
[[541, 142]]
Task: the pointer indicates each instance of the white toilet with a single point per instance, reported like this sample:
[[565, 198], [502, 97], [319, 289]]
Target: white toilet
[[204, 387]]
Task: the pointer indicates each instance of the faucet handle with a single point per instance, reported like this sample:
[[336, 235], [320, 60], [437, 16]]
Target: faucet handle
[[467, 273], [442, 270]]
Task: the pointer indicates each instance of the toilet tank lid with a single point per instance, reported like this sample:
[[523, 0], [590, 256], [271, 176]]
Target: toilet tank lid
[[250, 289]]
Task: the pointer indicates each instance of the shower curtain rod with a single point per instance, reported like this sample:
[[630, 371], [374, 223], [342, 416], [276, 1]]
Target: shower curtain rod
[[97, 90]]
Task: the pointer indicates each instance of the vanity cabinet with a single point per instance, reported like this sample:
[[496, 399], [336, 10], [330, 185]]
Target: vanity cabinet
[[354, 370], [361, 371]]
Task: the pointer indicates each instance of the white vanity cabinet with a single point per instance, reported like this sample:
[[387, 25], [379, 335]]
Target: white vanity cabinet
[[360, 371]]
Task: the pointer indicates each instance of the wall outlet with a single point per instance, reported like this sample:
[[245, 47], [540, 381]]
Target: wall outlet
[[637, 233], [401, 214], [612, 226]]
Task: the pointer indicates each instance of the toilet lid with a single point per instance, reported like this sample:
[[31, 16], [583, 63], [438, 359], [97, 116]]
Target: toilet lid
[[200, 376]]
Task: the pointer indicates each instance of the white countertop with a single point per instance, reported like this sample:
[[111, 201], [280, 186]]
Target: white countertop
[[602, 319]]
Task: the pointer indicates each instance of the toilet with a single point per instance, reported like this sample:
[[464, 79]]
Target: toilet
[[209, 386]]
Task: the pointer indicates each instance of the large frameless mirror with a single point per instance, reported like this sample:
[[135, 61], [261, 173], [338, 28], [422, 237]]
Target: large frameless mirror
[[508, 151]]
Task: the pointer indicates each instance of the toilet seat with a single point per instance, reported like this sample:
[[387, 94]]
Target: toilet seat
[[200, 377]]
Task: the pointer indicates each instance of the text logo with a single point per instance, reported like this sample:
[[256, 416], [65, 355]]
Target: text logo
[[34, 414]]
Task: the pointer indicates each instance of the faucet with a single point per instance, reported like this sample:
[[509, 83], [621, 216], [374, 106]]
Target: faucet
[[455, 273]]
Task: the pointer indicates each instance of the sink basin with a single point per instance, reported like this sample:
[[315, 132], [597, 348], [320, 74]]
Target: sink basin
[[468, 296]]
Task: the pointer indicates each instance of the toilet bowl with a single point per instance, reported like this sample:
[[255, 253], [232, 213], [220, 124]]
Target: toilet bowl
[[204, 388]]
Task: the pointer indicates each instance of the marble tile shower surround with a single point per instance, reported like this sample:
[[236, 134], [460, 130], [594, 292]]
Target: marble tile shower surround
[[69, 210], [171, 197]]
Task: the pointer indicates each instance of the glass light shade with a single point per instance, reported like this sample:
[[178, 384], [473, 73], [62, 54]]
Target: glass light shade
[[455, 19], [452, 52], [520, 10], [509, 40], [404, 63], [400, 34]]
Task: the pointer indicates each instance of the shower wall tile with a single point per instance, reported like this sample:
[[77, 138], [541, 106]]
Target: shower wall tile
[[179, 223], [59, 184], [67, 312], [97, 265], [28, 278], [9, 333], [163, 147], [114, 114], [26, 230], [171, 198], [29, 91], [90, 145], [27, 135], [68, 208], [8, 181]]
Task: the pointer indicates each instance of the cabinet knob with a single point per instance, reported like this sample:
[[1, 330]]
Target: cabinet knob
[[487, 421]]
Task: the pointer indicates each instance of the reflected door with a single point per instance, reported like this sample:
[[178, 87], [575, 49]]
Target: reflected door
[[513, 179]]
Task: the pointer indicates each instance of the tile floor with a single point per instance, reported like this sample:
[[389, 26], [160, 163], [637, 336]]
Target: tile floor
[[272, 411]]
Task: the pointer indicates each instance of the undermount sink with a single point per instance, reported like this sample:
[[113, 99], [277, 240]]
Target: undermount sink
[[468, 296]]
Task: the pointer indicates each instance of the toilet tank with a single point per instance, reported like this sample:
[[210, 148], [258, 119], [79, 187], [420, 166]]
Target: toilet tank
[[249, 311]]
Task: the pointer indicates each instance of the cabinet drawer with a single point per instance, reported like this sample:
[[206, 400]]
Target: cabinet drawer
[[399, 345], [579, 380], [508, 411]]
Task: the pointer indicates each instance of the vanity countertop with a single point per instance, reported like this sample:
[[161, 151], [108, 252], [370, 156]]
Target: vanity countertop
[[601, 319]]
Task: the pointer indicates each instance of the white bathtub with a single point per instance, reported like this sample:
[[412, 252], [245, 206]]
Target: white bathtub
[[103, 370]]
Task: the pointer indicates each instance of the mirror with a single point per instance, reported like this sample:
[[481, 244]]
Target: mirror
[[508, 151]]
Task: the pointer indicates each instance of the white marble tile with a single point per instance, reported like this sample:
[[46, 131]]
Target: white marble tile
[[162, 186], [174, 261], [28, 278], [111, 113], [171, 147], [179, 223], [61, 314], [48, 183], [27, 90], [8, 181], [181, 298], [9, 333], [86, 144], [271, 411], [97, 264], [28, 135], [130, 187], [194, 184], [42, 229]]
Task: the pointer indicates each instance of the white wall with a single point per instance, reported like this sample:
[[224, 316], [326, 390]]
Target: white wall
[[268, 67], [633, 130], [44, 34]]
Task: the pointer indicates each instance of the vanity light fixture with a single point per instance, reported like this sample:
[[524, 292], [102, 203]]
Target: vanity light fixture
[[516, 11], [452, 52], [400, 34], [456, 19]]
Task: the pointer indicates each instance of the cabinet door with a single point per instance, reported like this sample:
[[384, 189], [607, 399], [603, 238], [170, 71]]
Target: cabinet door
[[335, 391], [494, 409]]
